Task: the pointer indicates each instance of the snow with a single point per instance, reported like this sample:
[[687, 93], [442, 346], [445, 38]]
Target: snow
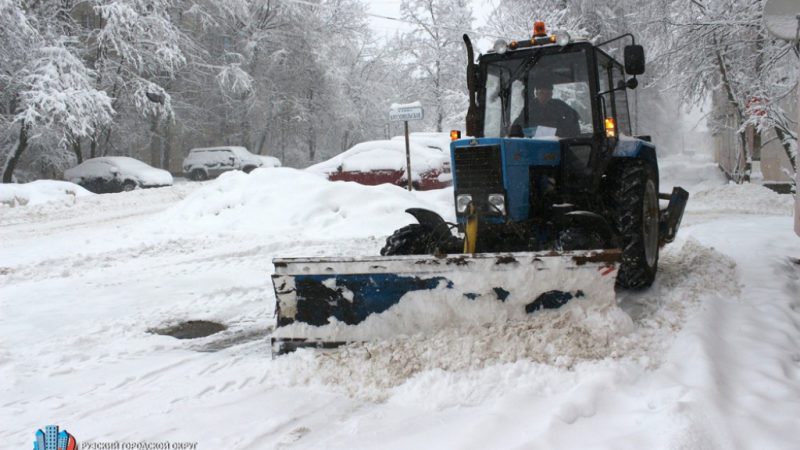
[[416, 104], [383, 155], [127, 168], [707, 358], [265, 203], [40, 191], [440, 141]]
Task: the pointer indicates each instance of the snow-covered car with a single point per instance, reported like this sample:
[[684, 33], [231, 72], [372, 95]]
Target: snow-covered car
[[438, 141], [116, 174], [379, 162], [269, 161], [204, 163]]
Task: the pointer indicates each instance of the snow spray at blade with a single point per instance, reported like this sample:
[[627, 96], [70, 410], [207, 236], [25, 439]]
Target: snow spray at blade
[[325, 302]]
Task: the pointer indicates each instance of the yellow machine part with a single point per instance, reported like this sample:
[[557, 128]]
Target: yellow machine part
[[471, 230]]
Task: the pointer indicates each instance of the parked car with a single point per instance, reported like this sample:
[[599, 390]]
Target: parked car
[[379, 162], [270, 161], [204, 163], [116, 174], [438, 141]]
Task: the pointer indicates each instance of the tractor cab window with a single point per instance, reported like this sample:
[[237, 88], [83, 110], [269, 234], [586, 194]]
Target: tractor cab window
[[540, 95], [621, 100], [614, 104]]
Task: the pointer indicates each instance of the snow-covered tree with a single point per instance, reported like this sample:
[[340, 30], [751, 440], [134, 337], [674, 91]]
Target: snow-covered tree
[[435, 59], [57, 94], [136, 48], [722, 46]]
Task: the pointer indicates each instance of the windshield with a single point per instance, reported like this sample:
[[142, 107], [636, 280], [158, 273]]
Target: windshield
[[541, 95]]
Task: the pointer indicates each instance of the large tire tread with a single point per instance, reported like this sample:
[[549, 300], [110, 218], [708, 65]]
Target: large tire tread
[[625, 195], [417, 239]]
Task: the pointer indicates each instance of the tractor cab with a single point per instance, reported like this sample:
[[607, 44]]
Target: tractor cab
[[547, 115]]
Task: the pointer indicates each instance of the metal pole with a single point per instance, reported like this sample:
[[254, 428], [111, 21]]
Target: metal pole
[[408, 158]]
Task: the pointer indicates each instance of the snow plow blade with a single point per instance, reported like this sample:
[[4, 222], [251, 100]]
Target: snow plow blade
[[320, 300]]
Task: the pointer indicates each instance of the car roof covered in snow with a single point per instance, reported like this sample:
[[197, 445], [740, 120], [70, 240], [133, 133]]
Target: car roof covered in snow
[[383, 155], [234, 148], [439, 141]]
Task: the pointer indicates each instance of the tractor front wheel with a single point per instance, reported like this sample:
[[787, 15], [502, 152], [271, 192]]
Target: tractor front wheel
[[418, 239], [632, 194]]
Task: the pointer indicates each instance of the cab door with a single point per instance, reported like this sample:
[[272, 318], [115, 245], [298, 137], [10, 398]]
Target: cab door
[[612, 118]]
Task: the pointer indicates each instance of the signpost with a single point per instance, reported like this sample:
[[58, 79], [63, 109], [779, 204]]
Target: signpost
[[782, 19], [404, 113]]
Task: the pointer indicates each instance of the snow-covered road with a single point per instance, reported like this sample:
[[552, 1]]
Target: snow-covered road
[[712, 359]]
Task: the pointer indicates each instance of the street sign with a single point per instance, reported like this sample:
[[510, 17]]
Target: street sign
[[402, 113]]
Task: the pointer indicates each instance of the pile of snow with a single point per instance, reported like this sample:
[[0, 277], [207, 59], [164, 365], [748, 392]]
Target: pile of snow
[[383, 155], [690, 172], [42, 191], [740, 199], [710, 192], [285, 202]]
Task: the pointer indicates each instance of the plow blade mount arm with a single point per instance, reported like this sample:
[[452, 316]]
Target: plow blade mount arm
[[671, 216], [325, 302]]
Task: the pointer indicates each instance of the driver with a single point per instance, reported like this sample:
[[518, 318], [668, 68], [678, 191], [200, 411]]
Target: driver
[[544, 110]]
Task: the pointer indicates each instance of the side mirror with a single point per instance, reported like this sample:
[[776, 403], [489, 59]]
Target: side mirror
[[634, 59]]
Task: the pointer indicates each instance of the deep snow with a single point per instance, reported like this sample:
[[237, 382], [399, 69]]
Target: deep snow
[[709, 357]]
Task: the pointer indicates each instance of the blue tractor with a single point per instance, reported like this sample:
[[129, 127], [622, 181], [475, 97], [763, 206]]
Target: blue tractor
[[551, 186]]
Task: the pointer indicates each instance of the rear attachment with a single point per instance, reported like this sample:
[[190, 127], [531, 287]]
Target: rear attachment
[[326, 302]]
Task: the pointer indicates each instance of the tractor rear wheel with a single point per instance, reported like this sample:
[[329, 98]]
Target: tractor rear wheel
[[632, 195], [418, 239]]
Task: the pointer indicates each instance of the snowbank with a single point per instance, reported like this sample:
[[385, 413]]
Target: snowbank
[[740, 199], [691, 173], [42, 191], [285, 202]]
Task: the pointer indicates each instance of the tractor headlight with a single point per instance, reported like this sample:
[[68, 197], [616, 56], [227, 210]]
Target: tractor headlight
[[562, 38], [500, 47], [498, 202], [462, 201]]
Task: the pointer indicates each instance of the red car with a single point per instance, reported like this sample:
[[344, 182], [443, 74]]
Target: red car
[[379, 162]]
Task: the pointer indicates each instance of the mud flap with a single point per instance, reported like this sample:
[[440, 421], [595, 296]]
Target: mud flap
[[324, 302]]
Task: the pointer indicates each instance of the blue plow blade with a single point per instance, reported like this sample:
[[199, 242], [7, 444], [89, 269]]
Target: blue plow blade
[[318, 298]]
